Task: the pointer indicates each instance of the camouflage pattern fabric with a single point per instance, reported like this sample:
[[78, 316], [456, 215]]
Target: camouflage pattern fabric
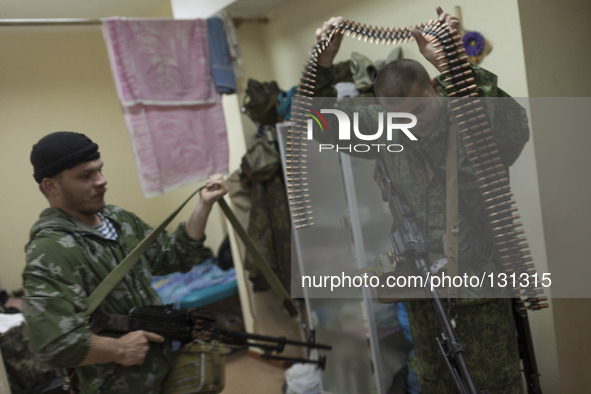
[[25, 375], [66, 261], [269, 222], [485, 329], [419, 173]]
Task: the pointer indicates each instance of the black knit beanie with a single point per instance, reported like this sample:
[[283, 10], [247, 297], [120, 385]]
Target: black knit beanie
[[60, 151]]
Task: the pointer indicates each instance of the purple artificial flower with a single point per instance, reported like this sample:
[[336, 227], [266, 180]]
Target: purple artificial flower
[[473, 43]]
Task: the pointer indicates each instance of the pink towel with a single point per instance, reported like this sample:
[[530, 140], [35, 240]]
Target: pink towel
[[170, 104], [159, 61], [169, 152]]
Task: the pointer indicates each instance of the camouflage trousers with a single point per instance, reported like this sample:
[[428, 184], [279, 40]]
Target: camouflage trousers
[[486, 330]]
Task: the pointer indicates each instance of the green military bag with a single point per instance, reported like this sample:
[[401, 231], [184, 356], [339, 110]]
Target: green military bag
[[197, 367]]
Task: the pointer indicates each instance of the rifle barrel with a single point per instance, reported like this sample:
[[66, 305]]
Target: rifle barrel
[[280, 340]]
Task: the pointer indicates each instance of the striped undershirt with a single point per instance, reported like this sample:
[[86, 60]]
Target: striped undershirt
[[107, 229]]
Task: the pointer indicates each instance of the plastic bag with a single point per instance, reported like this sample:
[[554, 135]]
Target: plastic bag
[[302, 379]]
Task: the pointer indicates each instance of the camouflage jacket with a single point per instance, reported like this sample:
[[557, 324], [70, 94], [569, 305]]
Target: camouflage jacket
[[66, 260], [409, 169]]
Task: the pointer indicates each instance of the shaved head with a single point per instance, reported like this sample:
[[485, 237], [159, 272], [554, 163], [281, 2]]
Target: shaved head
[[400, 77]]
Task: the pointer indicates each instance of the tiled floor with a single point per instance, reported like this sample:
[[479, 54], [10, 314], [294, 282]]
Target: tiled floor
[[246, 374]]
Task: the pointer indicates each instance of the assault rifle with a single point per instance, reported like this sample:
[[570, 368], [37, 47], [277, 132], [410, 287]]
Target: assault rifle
[[190, 324], [408, 241]]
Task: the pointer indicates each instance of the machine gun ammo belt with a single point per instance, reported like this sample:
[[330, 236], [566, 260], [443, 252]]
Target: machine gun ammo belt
[[472, 126]]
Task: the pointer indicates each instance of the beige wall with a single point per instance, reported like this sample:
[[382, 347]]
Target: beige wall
[[58, 78], [280, 48], [557, 53]]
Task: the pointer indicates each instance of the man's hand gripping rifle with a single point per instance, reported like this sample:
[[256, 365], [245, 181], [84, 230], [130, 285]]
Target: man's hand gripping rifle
[[192, 324], [409, 242]]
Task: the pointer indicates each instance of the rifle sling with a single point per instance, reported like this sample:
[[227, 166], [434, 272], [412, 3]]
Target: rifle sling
[[259, 260], [105, 287], [115, 276]]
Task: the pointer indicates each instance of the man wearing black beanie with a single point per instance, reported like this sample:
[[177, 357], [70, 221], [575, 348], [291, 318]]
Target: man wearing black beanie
[[74, 245], [60, 151]]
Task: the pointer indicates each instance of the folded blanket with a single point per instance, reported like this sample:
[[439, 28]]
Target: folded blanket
[[174, 287]]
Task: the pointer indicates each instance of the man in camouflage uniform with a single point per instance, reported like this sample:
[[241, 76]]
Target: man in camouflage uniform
[[485, 326], [74, 245]]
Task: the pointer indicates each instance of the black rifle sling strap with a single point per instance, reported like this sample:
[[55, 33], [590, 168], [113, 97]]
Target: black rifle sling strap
[[105, 287]]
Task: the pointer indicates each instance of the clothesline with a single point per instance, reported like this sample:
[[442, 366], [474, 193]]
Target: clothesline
[[47, 22], [90, 21]]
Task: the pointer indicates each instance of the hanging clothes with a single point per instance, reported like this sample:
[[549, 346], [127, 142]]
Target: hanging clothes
[[269, 223], [172, 109], [220, 58]]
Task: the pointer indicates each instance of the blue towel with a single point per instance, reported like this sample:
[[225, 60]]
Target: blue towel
[[219, 56]]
